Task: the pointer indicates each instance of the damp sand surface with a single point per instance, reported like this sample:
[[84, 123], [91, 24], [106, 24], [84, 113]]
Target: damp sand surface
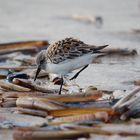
[[51, 20]]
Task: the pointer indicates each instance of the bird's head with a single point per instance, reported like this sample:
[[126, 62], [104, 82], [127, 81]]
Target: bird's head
[[40, 62]]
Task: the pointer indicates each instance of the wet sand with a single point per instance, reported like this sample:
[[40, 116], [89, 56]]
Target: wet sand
[[49, 19]]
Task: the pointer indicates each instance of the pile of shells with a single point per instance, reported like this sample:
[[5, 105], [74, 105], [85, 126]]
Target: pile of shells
[[34, 110]]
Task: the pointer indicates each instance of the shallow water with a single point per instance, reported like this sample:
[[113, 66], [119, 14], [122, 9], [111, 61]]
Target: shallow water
[[50, 19]]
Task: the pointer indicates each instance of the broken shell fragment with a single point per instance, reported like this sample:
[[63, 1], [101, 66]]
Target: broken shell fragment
[[11, 76]]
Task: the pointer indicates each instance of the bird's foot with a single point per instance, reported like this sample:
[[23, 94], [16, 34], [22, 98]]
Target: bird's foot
[[57, 81]]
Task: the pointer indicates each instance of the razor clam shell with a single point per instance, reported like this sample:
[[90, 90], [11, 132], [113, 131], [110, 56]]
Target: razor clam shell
[[39, 103], [13, 87], [20, 120]]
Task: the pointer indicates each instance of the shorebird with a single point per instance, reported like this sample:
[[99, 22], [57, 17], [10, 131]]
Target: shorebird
[[67, 55]]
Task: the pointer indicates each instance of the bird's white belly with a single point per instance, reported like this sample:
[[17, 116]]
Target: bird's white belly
[[69, 65]]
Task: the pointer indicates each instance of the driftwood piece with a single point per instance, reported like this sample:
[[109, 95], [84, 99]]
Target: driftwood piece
[[24, 134], [29, 84], [21, 44]]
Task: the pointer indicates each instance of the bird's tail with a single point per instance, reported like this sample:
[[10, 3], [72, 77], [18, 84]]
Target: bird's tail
[[98, 48]]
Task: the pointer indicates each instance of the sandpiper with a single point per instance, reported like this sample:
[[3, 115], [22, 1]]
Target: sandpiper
[[66, 55]]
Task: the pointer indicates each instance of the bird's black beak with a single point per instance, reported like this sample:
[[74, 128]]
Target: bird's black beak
[[37, 72]]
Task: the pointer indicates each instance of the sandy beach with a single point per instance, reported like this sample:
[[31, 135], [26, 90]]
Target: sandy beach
[[52, 20]]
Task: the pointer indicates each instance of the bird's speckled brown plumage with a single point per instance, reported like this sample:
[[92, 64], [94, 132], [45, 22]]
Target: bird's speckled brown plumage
[[68, 48]]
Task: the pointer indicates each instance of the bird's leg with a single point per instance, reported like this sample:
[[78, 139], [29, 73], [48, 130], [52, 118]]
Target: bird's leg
[[76, 75], [62, 81]]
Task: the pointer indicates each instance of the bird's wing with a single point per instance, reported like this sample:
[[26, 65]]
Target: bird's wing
[[70, 49]]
